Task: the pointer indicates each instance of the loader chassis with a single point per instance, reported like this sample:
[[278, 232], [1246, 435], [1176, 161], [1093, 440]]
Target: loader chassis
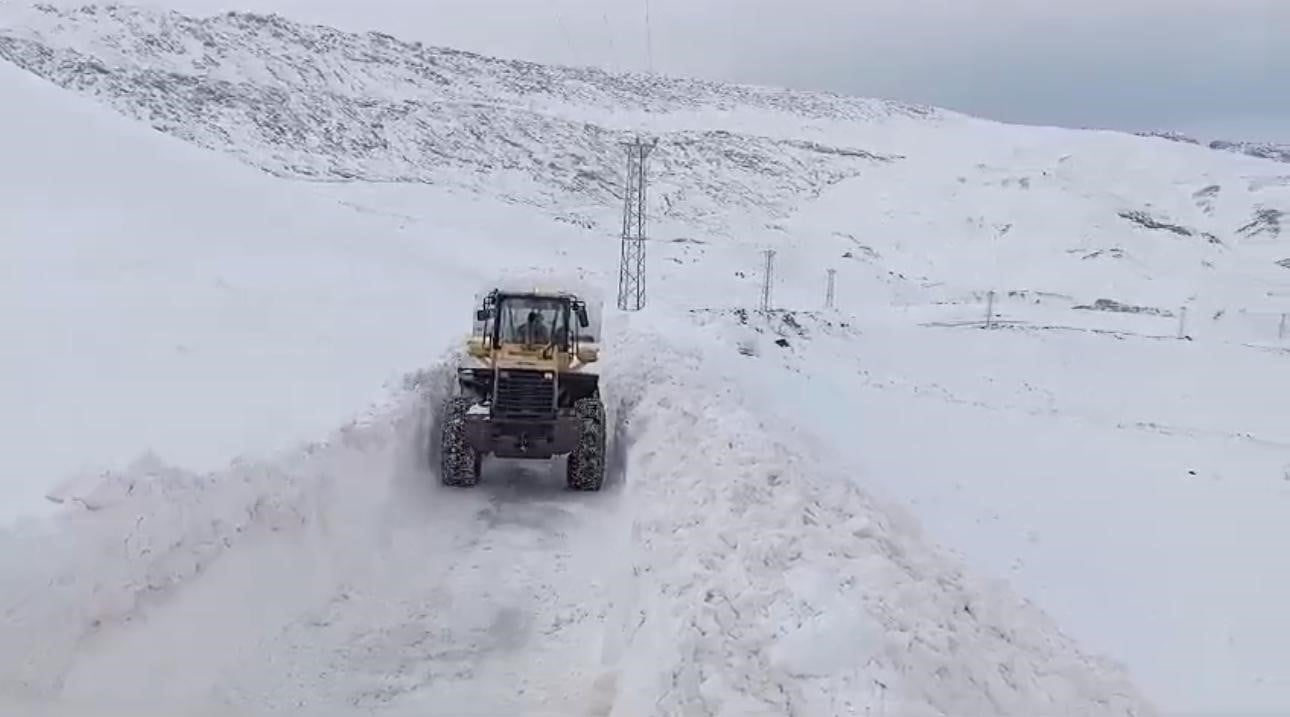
[[526, 399], [530, 411]]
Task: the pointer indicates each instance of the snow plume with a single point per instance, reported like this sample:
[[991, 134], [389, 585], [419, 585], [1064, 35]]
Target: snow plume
[[766, 583]]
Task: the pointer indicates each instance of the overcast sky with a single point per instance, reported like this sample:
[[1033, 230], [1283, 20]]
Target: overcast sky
[[1208, 67]]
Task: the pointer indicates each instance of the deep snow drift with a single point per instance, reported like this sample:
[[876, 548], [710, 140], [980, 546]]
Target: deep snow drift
[[1131, 486]]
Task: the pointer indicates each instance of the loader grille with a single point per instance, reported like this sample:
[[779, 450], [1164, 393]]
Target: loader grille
[[525, 394]]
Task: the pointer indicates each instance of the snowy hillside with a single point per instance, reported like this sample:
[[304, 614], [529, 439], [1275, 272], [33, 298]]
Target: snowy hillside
[[1088, 215], [166, 280], [875, 509], [310, 101]]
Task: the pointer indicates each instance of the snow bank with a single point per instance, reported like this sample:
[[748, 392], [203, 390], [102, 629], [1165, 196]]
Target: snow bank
[[1087, 469], [766, 582], [142, 533]]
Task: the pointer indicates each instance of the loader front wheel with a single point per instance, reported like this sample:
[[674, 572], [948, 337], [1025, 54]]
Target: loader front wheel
[[586, 465], [459, 463]]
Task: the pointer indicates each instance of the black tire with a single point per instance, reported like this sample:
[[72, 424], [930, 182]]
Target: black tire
[[586, 466], [459, 464]]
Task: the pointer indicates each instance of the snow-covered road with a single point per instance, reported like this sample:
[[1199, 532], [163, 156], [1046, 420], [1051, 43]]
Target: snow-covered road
[[724, 568]]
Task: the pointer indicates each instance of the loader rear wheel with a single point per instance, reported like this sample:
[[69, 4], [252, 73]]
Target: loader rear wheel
[[459, 464], [586, 466]]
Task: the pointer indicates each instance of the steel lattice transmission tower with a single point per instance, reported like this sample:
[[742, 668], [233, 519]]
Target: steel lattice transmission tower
[[631, 267], [767, 279]]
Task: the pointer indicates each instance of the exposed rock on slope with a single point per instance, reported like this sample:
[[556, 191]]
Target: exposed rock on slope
[[1263, 150], [1265, 223], [310, 101]]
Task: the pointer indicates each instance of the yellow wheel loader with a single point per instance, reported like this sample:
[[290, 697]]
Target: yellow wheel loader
[[528, 389]]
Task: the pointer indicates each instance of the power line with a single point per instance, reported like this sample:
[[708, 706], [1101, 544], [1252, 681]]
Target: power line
[[609, 35], [564, 30], [649, 39]]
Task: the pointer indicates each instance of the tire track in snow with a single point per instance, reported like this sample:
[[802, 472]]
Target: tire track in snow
[[498, 619]]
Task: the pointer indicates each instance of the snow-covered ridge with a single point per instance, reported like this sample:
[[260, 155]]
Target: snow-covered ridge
[[1263, 150], [241, 47], [309, 101]]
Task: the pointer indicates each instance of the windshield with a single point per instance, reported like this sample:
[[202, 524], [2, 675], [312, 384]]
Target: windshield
[[532, 321]]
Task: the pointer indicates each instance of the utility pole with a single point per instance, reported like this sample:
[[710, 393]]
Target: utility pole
[[828, 293], [631, 267], [767, 278]]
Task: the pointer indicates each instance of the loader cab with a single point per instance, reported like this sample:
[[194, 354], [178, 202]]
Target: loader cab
[[535, 328]]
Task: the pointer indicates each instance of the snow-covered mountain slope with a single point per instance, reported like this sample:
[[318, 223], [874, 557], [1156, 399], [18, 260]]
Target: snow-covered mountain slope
[[150, 284], [310, 101], [1090, 215], [731, 567], [1080, 215]]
